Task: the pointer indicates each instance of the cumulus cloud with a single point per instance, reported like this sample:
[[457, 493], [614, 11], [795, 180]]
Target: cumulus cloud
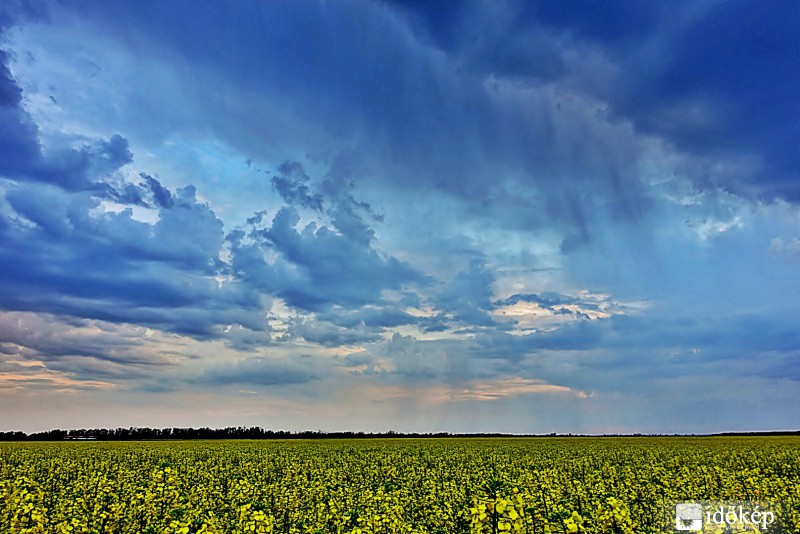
[[329, 334], [161, 195], [292, 185], [316, 265], [63, 257], [65, 253]]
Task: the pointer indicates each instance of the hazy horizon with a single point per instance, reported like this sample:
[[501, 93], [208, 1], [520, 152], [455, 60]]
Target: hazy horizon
[[423, 217]]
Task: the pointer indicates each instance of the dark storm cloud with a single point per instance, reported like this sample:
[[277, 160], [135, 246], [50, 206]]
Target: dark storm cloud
[[716, 79], [565, 164], [467, 297], [436, 112], [333, 270], [612, 23], [83, 169], [148, 194], [56, 213], [18, 136], [292, 185], [161, 195], [318, 265], [23, 158], [737, 64], [491, 40], [115, 268], [427, 123], [346, 213]]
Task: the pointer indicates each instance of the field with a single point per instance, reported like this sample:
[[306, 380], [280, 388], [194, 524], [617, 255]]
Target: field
[[558, 485]]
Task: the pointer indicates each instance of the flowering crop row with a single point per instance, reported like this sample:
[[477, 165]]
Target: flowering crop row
[[553, 485]]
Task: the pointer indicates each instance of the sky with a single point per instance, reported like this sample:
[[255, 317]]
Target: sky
[[522, 217]]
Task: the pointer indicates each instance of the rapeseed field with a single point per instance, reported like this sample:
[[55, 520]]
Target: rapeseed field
[[531, 485]]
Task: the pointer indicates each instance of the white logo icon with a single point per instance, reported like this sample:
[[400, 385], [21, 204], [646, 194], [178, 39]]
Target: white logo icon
[[689, 516]]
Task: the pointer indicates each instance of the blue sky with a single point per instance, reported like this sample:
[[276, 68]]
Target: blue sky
[[465, 217]]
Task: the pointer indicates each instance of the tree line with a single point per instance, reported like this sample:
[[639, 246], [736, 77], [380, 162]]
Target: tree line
[[239, 432], [255, 432]]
